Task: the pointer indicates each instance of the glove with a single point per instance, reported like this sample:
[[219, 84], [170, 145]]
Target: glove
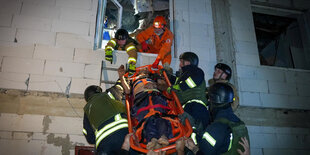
[[108, 55], [144, 46], [131, 69], [156, 62], [173, 87], [185, 116]]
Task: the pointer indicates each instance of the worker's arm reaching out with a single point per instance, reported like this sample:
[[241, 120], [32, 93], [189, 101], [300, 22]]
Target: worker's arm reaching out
[[121, 73]]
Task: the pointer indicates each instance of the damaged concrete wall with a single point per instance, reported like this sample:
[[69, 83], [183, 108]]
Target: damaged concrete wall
[[273, 93]]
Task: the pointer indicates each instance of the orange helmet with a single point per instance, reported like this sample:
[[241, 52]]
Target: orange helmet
[[159, 22]]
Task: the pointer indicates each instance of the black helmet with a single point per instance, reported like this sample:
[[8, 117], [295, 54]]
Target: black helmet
[[221, 93], [121, 34], [225, 68], [191, 57], [90, 91], [116, 91]]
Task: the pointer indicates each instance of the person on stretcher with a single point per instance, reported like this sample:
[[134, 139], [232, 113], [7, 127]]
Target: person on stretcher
[[148, 106]]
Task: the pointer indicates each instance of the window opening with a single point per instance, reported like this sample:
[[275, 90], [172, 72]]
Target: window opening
[[279, 41]]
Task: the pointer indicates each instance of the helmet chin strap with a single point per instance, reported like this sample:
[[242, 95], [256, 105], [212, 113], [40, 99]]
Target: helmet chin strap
[[220, 77]]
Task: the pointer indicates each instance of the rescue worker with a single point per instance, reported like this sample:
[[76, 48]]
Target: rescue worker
[[222, 136], [190, 86], [157, 39], [122, 41], [222, 73], [105, 122]]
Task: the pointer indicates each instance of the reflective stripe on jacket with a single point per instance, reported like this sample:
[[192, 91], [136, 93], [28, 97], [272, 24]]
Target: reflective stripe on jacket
[[101, 107], [110, 128]]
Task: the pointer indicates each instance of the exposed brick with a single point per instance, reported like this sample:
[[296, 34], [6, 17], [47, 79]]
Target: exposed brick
[[274, 100], [48, 83], [247, 59], [13, 80], [66, 69], [283, 3], [80, 139], [22, 65], [22, 135], [53, 53], [10, 6], [41, 2], [303, 89], [29, 36], [69, 26], [40, 11], [195, 18], [92, 30], [253, 85], [92, 71], [259, 140], [199, 6], [32, 23], [255, 151], [300, 102], [244, 34], [88, 56], [240, 9], [78, 85], [25, 51], [182, 5], [303, 77], [5, 20], [250, 99], [6, 135], [244, 71], [282, 88], [109, 75], [14, 122], [290, 141], [291, 77], [270, 151], [9, 103], [246, 47], [76, 15], [73, 40], [270, 74], [24, 147], [7, 34], [80, 4], [61, 125], [244, 23], [302, 4]]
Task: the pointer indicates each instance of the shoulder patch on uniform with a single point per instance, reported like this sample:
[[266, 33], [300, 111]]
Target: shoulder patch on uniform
[[168, 41]]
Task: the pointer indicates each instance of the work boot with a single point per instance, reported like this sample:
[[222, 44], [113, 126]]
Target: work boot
[[163, 140], [151, 145]]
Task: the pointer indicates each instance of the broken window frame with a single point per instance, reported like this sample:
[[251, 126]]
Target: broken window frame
[[295, 14]]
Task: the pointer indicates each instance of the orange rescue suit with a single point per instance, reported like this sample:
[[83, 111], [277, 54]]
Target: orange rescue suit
[[158, 45]]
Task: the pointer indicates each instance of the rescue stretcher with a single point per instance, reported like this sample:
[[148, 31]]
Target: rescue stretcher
[[178, 129]]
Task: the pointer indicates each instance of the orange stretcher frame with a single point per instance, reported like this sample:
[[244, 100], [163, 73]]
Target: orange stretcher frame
[[178, 129]]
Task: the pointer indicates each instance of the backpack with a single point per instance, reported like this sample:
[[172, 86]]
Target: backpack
[[238, 130]]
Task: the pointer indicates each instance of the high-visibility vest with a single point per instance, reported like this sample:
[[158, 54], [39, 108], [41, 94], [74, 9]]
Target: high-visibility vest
[[238, 130], [119, 123], [193, 93], [101, 107]]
